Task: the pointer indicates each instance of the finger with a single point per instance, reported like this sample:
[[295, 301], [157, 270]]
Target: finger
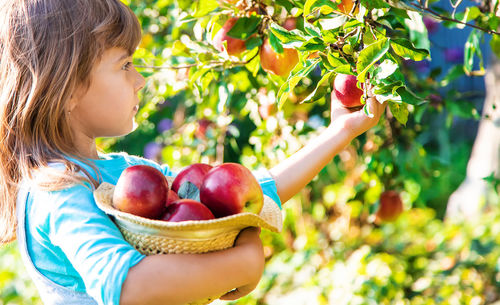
[[375, 107], [235, 294], [246, 234], [251, 230]]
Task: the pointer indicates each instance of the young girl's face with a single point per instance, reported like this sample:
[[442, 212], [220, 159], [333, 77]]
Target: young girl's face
[[107, 108]]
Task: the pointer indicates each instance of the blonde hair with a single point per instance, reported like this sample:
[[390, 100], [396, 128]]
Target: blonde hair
[[47, 50]]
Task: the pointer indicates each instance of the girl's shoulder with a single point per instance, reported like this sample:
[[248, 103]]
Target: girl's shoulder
[[131, 160]]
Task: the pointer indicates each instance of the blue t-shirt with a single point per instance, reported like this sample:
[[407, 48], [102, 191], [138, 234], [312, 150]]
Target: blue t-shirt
[[76, 245]]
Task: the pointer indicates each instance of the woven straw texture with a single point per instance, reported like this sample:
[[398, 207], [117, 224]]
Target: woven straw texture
[[161, 237]]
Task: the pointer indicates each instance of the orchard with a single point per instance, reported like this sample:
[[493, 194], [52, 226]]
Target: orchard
[[250, 82]]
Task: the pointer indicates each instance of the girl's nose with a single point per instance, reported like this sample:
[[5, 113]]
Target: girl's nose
[[140, 82]]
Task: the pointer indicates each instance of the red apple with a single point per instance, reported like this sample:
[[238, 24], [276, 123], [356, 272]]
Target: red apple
[[193, 173], [203, 126], [346, 6], [235, 46], [141, 190], [231, 188], [187, 209], [276, 63], [346, 91], [290, 23], [172, 196], [390, 207]]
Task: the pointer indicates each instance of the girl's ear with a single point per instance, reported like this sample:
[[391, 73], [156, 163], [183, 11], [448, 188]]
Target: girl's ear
[[72, 103], [74, 98]]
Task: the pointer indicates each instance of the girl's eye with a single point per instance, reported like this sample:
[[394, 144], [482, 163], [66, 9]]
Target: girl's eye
[[127, 66]]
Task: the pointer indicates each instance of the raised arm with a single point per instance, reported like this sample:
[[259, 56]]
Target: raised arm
[[295, 172]]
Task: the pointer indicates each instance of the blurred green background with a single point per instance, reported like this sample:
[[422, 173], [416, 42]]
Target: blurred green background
[[331, 251]]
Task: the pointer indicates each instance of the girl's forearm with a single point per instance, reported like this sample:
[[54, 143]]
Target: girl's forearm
[[183, 278], [295, 172]]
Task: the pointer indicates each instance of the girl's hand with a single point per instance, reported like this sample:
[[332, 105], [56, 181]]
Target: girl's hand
[[249, 240], [356, 122]]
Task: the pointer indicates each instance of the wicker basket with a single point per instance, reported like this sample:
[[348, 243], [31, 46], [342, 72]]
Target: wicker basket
[[161, 237]]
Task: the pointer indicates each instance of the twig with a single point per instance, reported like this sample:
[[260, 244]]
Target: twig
[[452, 19], [212, 64], [455, 6], [353, 9]]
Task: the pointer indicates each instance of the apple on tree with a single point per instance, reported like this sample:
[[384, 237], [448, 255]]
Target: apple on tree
[[277, 63], [141, 190], [187, 209], [391, 206], [346, 90], [345, 6], [235, 46], [290, 23], [231, 188]]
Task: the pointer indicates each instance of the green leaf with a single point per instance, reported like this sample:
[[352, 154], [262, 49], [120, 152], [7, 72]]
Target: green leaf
[[399, 111], [311, 5], [407, 96], [353, 23], [471, 13], [329, 24], [286, 4], [344, 69], [313, 44], [311, 29], [275, 43], [293, 80], [371, 4], [495, 44], [321, 88], [462, 109], [418, 32], [454, 73], [180, 49], [473, 47], [385, 70], [189, 190], [370, 55], [405, 49], [335, 60], [293, 38], [254, 65], [253, 42], [245, 27], [495, 183], [388, 96], [203, 7]]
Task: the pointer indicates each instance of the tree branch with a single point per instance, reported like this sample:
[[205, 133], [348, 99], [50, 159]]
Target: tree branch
[[212, 64], [434, 13]]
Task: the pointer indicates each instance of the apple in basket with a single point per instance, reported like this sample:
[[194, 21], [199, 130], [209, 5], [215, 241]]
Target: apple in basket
[[172, 197], [141, 190], [193, 173], [231, 188], [187, 209]]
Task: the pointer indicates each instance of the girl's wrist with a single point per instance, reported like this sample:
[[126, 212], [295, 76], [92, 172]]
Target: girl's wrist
[[342, 132]]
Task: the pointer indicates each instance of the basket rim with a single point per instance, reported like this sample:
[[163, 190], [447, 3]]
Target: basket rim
[[271, 219]]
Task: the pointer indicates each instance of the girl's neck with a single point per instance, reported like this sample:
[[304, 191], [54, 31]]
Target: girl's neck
[[86, 146]]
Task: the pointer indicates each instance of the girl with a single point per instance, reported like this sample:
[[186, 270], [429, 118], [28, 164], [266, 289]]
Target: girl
[[66, 78]]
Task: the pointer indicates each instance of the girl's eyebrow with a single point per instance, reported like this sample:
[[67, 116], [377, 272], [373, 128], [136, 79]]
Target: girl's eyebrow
[[125, 55]]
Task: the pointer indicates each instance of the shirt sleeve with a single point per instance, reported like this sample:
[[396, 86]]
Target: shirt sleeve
[[164, 168], [92, 243], [267, 184]]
